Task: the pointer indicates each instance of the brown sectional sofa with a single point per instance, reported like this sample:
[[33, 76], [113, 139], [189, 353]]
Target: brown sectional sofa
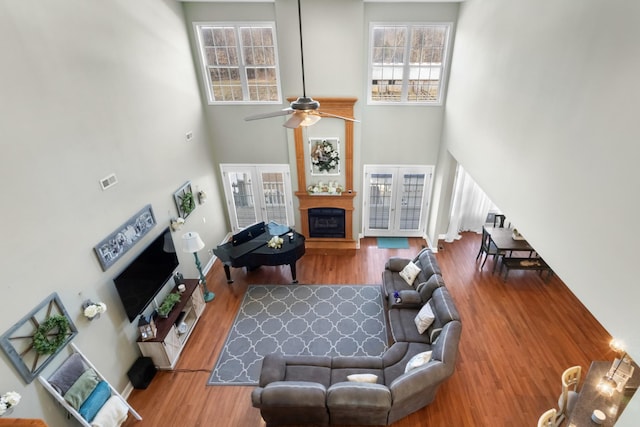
[[315, 390]]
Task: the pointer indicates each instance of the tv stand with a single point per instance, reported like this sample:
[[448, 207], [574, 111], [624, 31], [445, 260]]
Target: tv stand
[[169, 342]]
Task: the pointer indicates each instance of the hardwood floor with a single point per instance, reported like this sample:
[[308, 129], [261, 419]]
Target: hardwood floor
[[517, 339]]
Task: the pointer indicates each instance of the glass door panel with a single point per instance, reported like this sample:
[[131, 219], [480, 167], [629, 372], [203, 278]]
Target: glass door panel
[[396, 200]]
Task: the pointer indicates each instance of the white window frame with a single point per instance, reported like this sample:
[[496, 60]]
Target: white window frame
[[406, 66], [242, 66]]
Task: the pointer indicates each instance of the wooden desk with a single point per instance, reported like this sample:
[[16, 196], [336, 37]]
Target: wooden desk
[[589, 398]]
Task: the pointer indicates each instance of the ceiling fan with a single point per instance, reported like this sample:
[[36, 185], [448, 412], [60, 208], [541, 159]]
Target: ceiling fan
[[304, 110]]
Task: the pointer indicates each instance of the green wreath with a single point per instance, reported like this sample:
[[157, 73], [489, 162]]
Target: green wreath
[[41, 342], [187, 203]]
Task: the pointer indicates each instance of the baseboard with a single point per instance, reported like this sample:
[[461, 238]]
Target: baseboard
[[127, 390]]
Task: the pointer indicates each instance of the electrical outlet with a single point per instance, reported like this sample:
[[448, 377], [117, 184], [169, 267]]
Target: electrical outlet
[[189, 135]]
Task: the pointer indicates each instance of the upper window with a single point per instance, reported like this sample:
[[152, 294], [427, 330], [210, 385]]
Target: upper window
[[407, 62], [239, 62]]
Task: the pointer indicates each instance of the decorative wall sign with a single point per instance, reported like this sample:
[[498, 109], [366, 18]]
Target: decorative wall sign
[[128, 234], [185, 201], [324, 156], [38, 337]]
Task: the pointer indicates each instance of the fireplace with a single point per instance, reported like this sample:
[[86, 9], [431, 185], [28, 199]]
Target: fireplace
[[326, 222]]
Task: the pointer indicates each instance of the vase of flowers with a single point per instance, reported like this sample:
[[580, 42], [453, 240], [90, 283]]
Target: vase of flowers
[[92, 310], [275, 242], [8, 401]]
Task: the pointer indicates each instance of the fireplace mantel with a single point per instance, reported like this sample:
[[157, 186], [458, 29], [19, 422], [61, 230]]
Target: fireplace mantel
[[343, 201], [341, 107]]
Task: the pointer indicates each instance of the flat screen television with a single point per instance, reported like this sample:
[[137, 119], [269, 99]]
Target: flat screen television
[[143, 278]]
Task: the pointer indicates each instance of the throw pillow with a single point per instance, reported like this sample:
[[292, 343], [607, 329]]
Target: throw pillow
[[424, 318], [363, 378], [418, 360], [409, 273]]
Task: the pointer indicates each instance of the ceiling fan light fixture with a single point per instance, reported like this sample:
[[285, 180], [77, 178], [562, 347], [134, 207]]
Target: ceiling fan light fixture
[[311, 119]]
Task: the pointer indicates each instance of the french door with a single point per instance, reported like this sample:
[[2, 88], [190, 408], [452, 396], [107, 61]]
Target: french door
[[257, 193], [396, 199]]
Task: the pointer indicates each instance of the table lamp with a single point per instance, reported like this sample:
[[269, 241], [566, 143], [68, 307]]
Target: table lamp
[[192, 243], [608, 384]]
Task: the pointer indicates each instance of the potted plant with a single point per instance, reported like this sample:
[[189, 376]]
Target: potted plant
[[168, 303]]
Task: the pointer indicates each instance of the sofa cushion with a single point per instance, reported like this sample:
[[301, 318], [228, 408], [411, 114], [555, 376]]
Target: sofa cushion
[[403, 327], [409, 273], [343, 366], [358, 395], [396, 264], [445, 311], [418, 360], [424, 318], [363, 378], [426, 260], [294, 393], [425, 289], [397, 356]]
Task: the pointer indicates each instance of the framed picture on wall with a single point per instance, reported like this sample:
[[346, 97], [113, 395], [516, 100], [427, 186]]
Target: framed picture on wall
[[324, 156]]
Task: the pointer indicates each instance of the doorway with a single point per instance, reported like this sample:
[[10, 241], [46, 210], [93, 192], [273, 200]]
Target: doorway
[[396, 199]]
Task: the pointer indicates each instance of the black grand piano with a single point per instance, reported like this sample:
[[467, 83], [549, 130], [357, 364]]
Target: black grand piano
[[249, 249]]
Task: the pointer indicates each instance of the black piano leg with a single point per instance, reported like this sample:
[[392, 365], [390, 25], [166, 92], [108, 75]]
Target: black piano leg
[[293, 272], [227, 271]]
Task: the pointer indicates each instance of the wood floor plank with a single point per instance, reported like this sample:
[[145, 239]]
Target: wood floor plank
[[518, 337]]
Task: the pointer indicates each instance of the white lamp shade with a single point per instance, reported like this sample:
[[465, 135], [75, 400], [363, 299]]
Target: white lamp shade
[[191, 242]]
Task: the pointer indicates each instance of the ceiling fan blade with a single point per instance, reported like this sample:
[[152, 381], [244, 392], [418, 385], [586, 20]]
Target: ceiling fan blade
[[283, 112], [338, 117]]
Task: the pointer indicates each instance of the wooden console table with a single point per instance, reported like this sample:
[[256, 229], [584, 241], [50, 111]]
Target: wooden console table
[[166, 347]]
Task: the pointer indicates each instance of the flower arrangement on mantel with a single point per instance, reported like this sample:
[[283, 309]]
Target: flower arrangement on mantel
[[330, 187], [8, 401]]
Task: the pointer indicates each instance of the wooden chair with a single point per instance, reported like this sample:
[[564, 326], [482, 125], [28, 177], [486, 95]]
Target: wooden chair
[[498, 220], [548, 419], [567, 399], [487, 248]]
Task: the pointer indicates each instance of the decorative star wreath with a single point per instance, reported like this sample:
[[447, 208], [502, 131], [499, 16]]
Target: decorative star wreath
[[324, 156]]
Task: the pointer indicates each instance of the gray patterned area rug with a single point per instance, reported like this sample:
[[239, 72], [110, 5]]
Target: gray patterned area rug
[[319, 320]]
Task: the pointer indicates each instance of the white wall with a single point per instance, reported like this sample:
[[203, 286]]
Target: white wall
[[542, 112], [87, 89]]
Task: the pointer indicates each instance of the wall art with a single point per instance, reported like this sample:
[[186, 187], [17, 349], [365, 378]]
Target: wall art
[[38, 337], [185, 200], [111, 248], [324, 156]]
